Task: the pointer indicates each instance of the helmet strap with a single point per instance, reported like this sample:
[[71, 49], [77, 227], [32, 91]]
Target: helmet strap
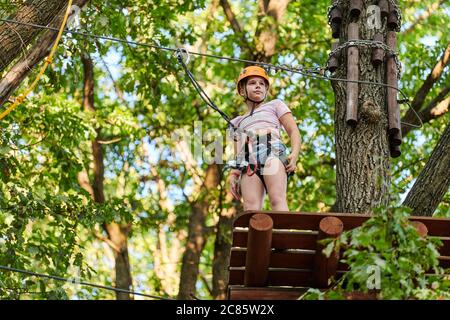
[[254, 101]]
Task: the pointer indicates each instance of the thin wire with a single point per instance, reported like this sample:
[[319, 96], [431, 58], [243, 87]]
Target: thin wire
[[303, 71], [81, 283]]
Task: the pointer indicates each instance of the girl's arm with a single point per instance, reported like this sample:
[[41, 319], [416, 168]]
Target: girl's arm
[[288, 122]]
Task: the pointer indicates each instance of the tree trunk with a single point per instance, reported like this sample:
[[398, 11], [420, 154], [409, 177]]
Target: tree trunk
[[36, 54], [434, 180], [266, 35], [15, 38], [117, 234], [362, 151], [222, 247], [197, 235]]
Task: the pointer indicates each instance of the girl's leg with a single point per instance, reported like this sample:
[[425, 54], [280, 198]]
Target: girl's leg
[[275, 177], [252, 191]]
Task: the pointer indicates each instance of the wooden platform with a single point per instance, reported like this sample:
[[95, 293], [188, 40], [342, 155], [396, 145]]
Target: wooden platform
[[291, 265]]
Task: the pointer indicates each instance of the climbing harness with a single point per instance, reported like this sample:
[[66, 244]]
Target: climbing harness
[[47, 60]]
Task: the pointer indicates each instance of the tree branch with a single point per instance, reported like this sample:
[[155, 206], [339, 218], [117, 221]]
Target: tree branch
[[234, 23], [427, 85], [23, 67], [436, 108], [111, 244]]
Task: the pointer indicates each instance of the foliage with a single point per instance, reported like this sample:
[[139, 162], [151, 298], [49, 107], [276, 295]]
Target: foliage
[[48, 222], [387, 256]]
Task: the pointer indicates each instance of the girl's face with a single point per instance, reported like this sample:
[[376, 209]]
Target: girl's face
[[256, 88]]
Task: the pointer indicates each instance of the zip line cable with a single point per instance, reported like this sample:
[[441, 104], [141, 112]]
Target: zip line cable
[[307, 72], [40, 275], [48, 61]]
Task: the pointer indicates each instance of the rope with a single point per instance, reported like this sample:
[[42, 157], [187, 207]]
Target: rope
[[40, 275], [202, 93], [307, 72], [47, 60]]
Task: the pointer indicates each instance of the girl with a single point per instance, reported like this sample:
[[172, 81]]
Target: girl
[[261, 164]]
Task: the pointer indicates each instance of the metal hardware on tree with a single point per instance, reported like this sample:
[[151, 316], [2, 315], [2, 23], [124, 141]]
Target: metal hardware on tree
[[352, 75], [378, 53], [355, 8], [333, 62]]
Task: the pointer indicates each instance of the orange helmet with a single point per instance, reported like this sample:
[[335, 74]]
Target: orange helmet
[[252, 71]]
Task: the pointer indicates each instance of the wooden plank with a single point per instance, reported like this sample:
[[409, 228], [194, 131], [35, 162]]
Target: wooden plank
[[285, 259], [303, 220], [444, 250], [436, 226], [444, 262], [310, 221], [268, 293], [278, 277], [281, 239], [295, 260]]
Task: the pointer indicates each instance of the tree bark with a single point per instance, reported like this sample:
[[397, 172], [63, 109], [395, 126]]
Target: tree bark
[[362, 151], [15, 38], [36, 54], [197, 235], [117, 234], [433, 181], [222, 244]]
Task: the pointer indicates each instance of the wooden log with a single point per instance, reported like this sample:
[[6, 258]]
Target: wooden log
[[352, 74], [391, 80], [355, 8], [421, 228], [335, 29], [384, 8], [326, 267], [336, 15], [392, 21], [395, 139], [378, 53], [258, 250], [333, 62], [394, 151]]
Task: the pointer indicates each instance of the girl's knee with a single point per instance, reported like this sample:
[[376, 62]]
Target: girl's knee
[[252, 205], [277, 199]]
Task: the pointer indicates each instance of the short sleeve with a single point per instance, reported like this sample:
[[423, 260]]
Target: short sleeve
[[230, 128], [281, 108]]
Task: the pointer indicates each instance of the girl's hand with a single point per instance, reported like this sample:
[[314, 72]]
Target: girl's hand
[[235, 180], [292, 165]]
